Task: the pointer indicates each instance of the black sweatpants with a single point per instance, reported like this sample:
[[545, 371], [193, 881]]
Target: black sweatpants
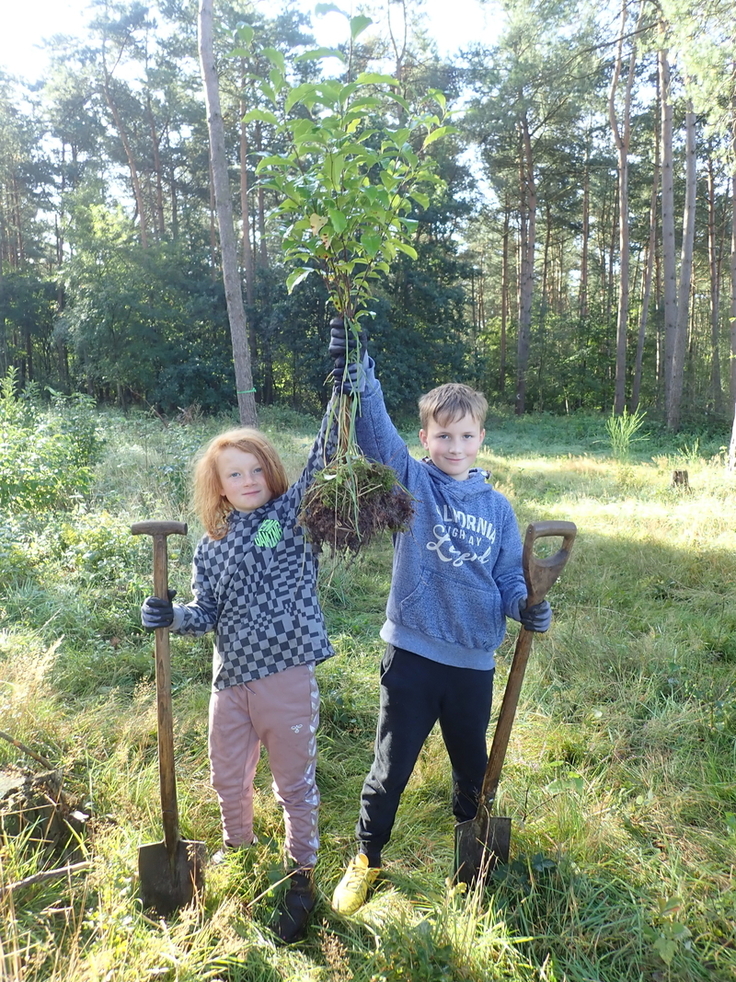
[[415, 693]]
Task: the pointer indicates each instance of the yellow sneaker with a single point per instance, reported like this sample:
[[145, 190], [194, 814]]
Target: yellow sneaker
[[351, 891]]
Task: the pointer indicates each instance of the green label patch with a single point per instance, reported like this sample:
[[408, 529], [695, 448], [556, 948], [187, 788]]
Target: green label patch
[[269, 533]]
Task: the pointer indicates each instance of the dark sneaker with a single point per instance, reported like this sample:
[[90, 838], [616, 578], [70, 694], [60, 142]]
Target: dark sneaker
[[296, 906]]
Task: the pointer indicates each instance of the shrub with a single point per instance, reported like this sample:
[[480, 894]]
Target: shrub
[[46, 453]]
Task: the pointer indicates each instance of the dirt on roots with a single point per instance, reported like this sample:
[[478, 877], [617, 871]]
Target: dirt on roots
[[350, 503]]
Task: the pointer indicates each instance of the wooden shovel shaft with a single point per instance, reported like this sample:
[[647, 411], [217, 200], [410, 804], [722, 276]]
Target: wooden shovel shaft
[[166, 769], [539, 574]]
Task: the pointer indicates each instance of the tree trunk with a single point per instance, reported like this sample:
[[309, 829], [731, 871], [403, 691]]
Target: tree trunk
[[668, 231], [732, 374], [528, 218], [129, 155], [686, 273], [504, 300], [585, 235], [646, 292], [224, 210], [622, 140], [715, 287], [262, 243], [159, 214], [244, 201]]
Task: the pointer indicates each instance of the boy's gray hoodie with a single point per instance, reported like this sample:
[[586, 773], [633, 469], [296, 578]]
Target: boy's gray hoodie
[[457, 572]]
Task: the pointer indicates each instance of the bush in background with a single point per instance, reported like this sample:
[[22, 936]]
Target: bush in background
[[46, 452]]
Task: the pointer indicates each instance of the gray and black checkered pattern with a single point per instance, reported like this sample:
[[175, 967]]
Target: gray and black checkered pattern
[[260, 600]]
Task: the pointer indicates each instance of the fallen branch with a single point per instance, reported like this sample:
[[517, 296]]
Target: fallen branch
[[48, 874], [27, 750]]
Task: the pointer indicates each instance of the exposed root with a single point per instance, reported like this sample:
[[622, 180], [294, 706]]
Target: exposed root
[[351, 502]]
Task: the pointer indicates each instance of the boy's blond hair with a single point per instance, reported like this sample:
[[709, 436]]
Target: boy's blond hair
[[447, 403], [211, 506]]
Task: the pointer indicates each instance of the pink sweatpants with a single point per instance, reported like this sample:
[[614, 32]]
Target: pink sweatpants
[[280, 711]]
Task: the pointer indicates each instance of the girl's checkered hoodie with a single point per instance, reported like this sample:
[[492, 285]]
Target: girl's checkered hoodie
[[256, 588]]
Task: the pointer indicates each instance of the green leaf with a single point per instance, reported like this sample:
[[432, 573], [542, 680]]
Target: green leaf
[[371, 242], [244, 33], [375, 78], [260, 114], [666, 949], [297, 276], [273, 160], [238, 53], [400, 99], [276, 58], [316, 54], [437, 134], [404, 247], [338, 221], [358, 25], [305, 93], [421, 198], [439, 98], [328, 8]]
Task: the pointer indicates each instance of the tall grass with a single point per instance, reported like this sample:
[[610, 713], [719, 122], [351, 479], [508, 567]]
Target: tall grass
[[619, 777]]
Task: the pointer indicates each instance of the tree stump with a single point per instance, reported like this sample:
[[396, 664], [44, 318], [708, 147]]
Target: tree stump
[[35, 807], [680, 480]]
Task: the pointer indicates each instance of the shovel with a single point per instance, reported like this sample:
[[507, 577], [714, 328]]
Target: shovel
[[484, 842], [171, 873]]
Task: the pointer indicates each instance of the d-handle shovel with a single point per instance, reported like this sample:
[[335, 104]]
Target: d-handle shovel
[[484, 842], [171, 873]]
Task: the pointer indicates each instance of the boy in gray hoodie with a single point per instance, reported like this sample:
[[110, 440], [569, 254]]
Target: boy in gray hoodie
[[457, 576]]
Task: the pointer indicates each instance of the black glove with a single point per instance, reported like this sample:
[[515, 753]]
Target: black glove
[[350, 378], [343, 343], [156, 612], [536, 618]]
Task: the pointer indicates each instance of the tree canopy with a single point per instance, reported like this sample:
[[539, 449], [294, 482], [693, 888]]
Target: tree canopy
[[579, 189]]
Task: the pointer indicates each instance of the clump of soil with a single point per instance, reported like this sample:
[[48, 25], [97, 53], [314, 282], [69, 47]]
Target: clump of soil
[[351, 502]]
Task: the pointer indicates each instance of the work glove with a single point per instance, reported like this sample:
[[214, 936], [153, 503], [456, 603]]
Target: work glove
[[349, 380], [536, 618], [156, 612], [342, 342]]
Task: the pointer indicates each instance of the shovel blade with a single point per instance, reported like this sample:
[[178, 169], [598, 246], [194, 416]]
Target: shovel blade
[[168, 882], [480, 847]]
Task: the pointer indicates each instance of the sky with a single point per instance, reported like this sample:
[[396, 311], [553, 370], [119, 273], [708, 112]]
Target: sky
[[26, 23]]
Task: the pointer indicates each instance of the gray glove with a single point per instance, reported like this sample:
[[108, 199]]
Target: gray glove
[[536, 618], [156, 612]]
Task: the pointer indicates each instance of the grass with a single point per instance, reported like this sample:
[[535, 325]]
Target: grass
[[619, 777]]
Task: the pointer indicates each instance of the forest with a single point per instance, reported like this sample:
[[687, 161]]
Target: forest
[[576, 250]]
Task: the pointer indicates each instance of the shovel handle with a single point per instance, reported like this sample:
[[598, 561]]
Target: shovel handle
[[539, 574], [159, 531]]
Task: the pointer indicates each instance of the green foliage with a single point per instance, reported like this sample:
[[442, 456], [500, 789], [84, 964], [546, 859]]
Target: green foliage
[[46, 454], [621, 428], [349, 174]]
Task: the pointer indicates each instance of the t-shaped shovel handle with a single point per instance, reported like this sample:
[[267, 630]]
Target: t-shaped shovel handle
[[539, 574], [160, 531]]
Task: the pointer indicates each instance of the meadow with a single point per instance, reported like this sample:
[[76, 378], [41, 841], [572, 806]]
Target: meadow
[[620, 777]]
